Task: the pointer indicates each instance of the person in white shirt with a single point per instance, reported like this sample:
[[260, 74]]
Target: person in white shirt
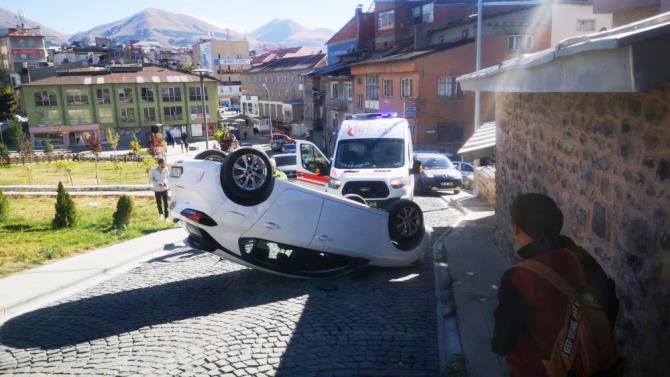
[[158, 177]]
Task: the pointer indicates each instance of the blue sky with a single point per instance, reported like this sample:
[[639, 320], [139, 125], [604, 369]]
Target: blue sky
[[71, 16]]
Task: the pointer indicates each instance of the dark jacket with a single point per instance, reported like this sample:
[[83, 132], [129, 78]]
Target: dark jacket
[[530, 310]]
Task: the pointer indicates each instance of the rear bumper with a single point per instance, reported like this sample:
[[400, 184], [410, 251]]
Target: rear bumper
[[444, 184]]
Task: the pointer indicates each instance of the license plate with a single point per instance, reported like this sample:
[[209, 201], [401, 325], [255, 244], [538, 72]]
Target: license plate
[[372, 204], [446, 184]]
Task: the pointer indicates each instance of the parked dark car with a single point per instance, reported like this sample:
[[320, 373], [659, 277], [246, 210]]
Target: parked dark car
[[438, 173]]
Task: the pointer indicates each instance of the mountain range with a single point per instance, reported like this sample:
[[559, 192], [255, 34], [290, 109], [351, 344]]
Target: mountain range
[[177, 29], [10, 19]]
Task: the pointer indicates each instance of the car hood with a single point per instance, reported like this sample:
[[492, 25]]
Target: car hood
[[450, 172]]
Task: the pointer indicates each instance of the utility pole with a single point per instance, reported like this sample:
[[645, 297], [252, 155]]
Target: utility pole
[[269, 109], [202, 72]]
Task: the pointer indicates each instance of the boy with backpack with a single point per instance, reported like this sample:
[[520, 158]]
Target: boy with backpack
[[557, 307]]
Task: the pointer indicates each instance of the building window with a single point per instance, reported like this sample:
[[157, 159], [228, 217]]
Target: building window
[[360, 101], [79, 116], [195, 95], [349, 90], [406, 88], [128, 115], [386, 20], [196, 112], [149, 114], [359, 80], [126, 95], [334, 90], [105, 115], [48, 117], [448, 87], [171, 94], [103, 96], [147, 95], [450, 133], [372, 87], [46, 98], [76, 97], [520, 42], [172, 113], [422, 14], [586, 25], [388, 88]]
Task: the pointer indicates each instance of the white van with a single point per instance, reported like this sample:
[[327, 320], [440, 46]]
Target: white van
[[373, 159]]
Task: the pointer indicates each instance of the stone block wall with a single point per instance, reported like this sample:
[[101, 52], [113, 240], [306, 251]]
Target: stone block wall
[[485, 183], [605, 158]]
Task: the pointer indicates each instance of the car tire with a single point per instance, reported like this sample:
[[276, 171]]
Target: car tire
[[405, 224], [356, 198], [240, 176], [212, 155]]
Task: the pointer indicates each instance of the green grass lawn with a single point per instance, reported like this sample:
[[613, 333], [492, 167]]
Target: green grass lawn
[[83, 174], [28, 239]]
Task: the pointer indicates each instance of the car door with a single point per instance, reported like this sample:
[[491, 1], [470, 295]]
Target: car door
[[312, 166], [349, 228], [290, 220]]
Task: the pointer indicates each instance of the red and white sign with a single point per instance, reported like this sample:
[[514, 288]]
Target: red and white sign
[[38, 52]]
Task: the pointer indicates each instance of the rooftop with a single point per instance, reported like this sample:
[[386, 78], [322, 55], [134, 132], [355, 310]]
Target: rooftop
[[286, 64], [629, 58], [118, 75], [346, 33]]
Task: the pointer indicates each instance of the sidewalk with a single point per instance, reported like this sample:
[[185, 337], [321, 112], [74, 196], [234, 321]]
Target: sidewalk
[[475, 268], [30, 289]]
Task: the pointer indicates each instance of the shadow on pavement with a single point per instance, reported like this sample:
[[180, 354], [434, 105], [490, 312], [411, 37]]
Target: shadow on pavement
[[98, 317]]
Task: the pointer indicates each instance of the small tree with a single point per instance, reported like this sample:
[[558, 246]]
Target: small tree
[[9, 101], [95, 145], [148, 163], [118, 167], [25, 146], [157, 144], [4, 150], [48, 147], [67, 166], [112, 139], [15, 132], [135, 146], [66, 212], [124, 210], [4, 207]]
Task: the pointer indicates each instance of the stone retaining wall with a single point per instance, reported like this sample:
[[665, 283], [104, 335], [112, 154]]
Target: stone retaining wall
[[605, 158], [485, 183]]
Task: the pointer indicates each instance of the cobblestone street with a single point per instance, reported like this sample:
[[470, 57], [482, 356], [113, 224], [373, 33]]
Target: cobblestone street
[[187, 313]]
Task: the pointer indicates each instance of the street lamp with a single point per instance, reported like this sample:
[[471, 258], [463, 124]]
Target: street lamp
[[269, 109], [202, 73]]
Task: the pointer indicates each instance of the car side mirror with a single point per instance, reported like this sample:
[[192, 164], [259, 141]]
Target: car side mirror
[[416, 168]]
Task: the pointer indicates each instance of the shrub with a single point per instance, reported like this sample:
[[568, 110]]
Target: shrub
[[124, 210], [135, 147], [4, 150], [4, 207], [66, 212], [48, 147], [148, 163], [67, 166]]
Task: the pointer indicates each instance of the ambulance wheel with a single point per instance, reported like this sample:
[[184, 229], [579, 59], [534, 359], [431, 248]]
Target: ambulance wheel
[[212, 155], [246, 177], [406, 228]]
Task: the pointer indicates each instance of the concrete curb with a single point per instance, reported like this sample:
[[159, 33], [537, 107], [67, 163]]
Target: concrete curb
[[31, 289]]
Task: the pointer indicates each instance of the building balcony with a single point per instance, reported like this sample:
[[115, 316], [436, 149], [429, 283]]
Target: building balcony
[[338, 103]]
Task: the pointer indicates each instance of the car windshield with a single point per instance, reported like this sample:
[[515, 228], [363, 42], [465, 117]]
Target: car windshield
[[370, 153], [435, 162], [285, 160]]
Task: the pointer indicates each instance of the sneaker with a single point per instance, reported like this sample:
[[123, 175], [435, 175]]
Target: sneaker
[[160, 217], [167, 219]]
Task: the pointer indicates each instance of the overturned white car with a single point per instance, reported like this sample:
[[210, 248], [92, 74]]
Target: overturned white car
[[233, 207]]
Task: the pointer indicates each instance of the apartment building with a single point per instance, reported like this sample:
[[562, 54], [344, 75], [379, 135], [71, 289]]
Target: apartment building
[[20, 50], [128, 99]]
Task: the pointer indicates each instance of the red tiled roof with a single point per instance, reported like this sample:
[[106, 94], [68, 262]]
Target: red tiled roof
[[347, 32], [146, 75]]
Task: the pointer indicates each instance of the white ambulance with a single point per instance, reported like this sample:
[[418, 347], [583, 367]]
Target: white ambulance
[[373, 160]]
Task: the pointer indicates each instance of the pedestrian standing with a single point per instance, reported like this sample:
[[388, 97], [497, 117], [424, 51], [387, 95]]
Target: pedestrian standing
[[532, 329], [158, 177], [184, 140]]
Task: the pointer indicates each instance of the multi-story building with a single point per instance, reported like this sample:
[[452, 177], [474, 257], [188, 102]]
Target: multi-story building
[[21, 50], [627, 11], [128, 99], [227, 60], [419, 81], [279, 87]]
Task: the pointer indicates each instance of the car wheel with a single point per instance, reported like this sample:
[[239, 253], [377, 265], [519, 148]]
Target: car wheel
[[406, 228], [356, 198], [246, 177], [212, 155]]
